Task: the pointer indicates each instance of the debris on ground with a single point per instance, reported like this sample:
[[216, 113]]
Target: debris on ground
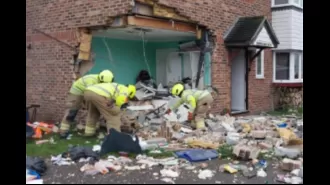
[[61, 161], [248, 145], [36, 164], [204, 174]]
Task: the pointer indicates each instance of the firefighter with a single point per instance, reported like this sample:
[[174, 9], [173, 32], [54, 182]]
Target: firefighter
[[106, 99], [75, 98], [199, 101]]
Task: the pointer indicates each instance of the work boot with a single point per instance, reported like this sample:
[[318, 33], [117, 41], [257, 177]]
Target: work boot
[[90, 131]]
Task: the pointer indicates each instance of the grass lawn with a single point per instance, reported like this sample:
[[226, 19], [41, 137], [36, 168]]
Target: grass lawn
[[60, 146], [284, 112]]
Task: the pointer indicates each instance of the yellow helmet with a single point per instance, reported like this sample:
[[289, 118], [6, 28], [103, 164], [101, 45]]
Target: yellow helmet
[[121, 100], [131, 91], [177, 89], [106, 76]]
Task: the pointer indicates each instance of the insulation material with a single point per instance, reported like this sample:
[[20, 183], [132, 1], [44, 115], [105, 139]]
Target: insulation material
[[85, 45], [163, 11]]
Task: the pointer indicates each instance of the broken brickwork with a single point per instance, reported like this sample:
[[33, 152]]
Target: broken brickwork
[[50, 74]]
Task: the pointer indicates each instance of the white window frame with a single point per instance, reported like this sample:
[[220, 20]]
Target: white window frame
[[262, 75], [291, 68], [290, 3]]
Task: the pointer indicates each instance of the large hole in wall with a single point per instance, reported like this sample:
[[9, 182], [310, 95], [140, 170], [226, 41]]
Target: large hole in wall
[[127, 51]]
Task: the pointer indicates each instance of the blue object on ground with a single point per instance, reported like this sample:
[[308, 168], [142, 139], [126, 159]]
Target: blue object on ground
[[282, 125], [196, 155], [34, 173]]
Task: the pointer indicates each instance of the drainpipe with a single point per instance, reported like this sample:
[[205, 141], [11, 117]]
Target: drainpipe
[[204, 45]]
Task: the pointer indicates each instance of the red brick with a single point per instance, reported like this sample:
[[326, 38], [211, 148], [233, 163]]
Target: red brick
[[48, 61]]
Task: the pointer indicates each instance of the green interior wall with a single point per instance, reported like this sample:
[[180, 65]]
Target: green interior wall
[[128, 58]]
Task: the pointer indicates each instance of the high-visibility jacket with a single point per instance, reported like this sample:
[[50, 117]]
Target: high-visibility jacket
[[109, 90], [79, 86], [191, 97]]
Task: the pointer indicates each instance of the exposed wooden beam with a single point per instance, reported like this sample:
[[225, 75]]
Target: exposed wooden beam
[[160, 24]]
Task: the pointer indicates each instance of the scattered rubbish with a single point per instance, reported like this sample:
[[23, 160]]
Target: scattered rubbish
[[289, 164], [167, 180], [96, 148], [116, 142], [77, 152], [288, 152], [296, 180], [132, 167], [204, 174], [81, 160], [261, 173], [232, 138], [246, 152], [203, 165], [253, 139], [61, 161], [197, 155], [31, 175], [228, 168], [282, 125], [37, 181], [36, 164], [169, 173], [42, 142]]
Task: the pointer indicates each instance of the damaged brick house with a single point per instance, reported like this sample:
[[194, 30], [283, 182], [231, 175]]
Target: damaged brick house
[[223, 43]]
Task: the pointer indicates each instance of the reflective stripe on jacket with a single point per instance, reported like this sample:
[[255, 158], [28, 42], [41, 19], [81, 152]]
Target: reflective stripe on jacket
[[191, 97], [79, 86], [109, 90]]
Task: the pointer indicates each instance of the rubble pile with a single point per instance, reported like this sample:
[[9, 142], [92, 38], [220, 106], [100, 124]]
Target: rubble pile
[[252, 140], [248, 145]]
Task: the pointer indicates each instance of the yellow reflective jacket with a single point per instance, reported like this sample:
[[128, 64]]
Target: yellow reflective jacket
[[79, 86], [190, 97], [109, 90]]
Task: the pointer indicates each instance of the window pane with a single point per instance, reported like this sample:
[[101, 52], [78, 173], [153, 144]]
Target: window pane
[[278, 2], [259, 65], [296, 66], [282, 66], [302, 64], [297, 2]]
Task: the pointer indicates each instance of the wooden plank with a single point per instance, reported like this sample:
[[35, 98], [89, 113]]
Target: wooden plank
[[119, 22], [161, 24]]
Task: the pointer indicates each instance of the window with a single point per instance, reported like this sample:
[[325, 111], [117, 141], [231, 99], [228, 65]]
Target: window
[[296, 65], [281, 3], [260, 66], [282, 66], [288, 67]]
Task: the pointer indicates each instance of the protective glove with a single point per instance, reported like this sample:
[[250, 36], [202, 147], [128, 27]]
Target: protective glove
[[168, 111], [190, 116]]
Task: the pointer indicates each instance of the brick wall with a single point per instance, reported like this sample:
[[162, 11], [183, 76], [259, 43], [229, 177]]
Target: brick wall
[[49, 73]]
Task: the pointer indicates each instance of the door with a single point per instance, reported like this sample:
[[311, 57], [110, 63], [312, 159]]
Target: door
[[190, 68], [238, 83], [161, 64], [173, 68]]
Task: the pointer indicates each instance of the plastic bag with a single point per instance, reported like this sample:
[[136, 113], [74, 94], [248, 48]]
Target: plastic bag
[[120, 142], [78, 152], [37, 164]]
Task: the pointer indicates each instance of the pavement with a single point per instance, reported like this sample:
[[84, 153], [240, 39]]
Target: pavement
[[72, 175]]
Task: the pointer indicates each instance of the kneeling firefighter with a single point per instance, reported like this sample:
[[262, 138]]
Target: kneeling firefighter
[[199, 101], [76, 96], [106, 99]]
